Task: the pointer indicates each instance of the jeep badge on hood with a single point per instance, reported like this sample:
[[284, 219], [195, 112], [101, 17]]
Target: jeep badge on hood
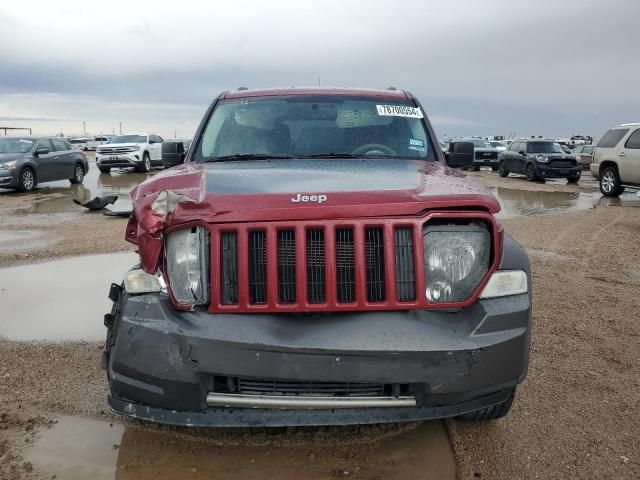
[[309, 198]]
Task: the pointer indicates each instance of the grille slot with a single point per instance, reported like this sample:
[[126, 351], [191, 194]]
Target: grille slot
[[374, 255], [229, 268], [405, 274], [267, 386], [345, 266], [257, 267], [315, 266], [286, 266]]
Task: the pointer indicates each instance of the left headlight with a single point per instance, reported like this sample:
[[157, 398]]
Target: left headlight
[[187, 253], [9, 165], [456, 260]]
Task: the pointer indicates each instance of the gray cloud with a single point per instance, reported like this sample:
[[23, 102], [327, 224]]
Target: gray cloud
[[543, 67]]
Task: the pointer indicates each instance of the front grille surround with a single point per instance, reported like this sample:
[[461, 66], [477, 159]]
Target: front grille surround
[[337, 279]]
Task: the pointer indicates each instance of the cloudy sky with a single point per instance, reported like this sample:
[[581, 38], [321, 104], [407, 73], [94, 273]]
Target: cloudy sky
[[546, 67]]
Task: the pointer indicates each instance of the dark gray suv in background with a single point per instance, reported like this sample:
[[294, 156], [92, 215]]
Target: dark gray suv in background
[[27, 161]]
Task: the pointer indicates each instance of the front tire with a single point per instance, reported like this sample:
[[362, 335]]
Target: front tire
[[27, 180], [146, 163], [573, 179], [502, 170], [610, 185], [491, 413], [530, 173], [78, 174], [104, 169]]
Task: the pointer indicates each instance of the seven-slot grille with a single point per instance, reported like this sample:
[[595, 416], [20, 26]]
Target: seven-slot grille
[[333, 265]]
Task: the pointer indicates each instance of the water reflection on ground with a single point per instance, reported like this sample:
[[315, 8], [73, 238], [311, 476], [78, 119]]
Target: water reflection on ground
[[80, 448]]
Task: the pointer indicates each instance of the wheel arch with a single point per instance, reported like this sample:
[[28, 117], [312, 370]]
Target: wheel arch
[[607, 163]]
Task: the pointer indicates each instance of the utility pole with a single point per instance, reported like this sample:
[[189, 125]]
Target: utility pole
[[120, 127], [175, 134], [84, 128]]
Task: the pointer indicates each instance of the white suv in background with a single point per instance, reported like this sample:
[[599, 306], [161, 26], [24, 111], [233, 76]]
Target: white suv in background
[[616, 159], [140, 151]]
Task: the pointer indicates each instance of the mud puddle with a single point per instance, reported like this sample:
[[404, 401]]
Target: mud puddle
[[57, 197], [78, 448], [522, 203], [24, 240], [60, 300]]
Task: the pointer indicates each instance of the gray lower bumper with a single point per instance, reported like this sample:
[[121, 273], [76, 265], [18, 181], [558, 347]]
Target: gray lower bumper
[[159, 358]]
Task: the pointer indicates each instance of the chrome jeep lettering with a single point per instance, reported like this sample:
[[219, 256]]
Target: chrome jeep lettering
[[299, 198]]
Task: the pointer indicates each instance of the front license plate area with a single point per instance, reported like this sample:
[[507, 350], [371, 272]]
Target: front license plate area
[[113, 157]]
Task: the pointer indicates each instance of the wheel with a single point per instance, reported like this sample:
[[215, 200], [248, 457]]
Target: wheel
[[530, 173], [491, 413], [146, 163], [475, 169], [494, 168], [573, 179], [27, 181], [78, 174], [104, 169], [502, 170], [610, 182]]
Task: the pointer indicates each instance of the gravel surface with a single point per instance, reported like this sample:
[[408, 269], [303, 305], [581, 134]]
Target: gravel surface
[[577, 415]]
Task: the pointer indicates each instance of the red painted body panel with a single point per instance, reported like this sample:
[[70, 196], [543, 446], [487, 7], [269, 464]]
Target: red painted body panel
[[315, 91]]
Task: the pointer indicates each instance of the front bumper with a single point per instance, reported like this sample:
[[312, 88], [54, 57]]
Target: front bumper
[[121, 160], [8, 178], [485, 162], [159, 361], [554, 172]]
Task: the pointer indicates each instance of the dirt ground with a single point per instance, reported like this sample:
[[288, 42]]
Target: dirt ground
[[577, 415]]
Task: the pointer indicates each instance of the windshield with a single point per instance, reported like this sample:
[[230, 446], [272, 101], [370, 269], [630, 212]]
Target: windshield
[[129, 139], [479, 143], [497, 144], [15, 145], [303, 126], [544, 147]]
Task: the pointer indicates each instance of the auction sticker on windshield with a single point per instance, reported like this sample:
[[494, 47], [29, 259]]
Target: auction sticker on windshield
[[399, 111]]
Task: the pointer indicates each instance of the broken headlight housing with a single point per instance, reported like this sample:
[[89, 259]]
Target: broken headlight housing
[[187, 255], [456, 260]]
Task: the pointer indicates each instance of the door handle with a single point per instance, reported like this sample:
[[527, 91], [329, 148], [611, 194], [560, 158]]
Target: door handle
[[622, 154]]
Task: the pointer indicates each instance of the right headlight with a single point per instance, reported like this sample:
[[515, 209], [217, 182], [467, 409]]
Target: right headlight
[[187, 255], [542, 158], [456, 260]]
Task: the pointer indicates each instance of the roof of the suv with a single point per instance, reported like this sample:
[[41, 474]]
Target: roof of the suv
[[357, 92]]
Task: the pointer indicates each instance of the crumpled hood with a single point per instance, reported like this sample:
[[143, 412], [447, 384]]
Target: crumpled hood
[[290, 190]]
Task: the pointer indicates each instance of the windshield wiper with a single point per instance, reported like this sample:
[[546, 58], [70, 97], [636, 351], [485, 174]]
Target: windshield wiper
[[337, 155], [248, 156]]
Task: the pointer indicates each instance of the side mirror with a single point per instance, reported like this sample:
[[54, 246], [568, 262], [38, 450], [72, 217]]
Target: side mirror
[[521, 152], [42, 151], [172, 153], [460, 154]]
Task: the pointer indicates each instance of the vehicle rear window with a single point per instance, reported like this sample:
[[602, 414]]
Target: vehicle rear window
[[634, 140], [59, 145], [612, 137]]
